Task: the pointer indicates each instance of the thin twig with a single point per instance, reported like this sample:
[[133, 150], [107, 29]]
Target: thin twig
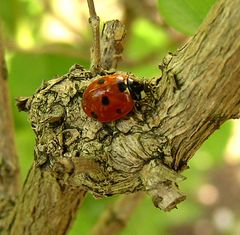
[[95, 25]]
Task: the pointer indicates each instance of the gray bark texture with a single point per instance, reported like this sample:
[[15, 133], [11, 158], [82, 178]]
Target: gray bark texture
[[197, 91]]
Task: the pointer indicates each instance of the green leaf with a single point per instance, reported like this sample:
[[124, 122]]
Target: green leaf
[[185, 15]]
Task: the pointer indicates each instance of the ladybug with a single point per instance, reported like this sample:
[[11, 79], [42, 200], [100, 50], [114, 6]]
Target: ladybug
[[111, 97]]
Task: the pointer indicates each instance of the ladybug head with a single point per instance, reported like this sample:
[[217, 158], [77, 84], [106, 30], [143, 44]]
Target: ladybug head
[[135, 88]]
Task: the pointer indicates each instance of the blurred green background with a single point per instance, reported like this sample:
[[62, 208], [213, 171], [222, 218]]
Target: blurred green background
[[44, 38]]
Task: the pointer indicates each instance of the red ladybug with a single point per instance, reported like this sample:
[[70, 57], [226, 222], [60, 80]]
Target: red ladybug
[[109, 98]]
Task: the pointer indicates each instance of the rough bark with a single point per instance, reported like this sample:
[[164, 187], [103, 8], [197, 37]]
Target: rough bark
[[45, 206], [198, 91], [112, 44], [206, 72]]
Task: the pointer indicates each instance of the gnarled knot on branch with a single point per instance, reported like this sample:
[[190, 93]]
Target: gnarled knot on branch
[[105, 158]]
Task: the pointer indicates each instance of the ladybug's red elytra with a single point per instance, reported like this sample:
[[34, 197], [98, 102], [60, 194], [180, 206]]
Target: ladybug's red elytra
[[109, 98]]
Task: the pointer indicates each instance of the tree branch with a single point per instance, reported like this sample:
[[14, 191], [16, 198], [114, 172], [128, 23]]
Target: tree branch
[[116, 217], [45, 206], [206, 76], [148, 149], [9, 168], [197, 92], [46, 195], [112, 37], [200, 87], [95, 25]]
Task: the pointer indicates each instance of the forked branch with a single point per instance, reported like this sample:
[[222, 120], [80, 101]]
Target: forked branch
[[198, 91]]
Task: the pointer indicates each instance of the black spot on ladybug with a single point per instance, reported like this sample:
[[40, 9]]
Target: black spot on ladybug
[[121, 86], [94, 115], [100, 81], [105, 100], [119, 111]]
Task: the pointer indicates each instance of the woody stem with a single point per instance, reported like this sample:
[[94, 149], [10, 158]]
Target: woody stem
[[95, 25]]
